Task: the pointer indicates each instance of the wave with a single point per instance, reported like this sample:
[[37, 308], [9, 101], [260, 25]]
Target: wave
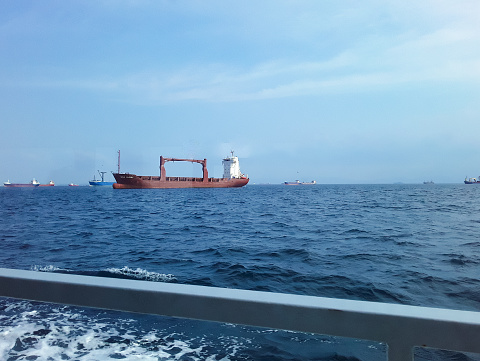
[[141, 274], [124, 272], [49, 268]]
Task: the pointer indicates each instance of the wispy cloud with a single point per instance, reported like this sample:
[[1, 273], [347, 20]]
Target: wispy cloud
[[375, 49]]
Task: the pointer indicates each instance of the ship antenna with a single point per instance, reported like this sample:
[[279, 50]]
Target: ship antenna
[[118, 165]]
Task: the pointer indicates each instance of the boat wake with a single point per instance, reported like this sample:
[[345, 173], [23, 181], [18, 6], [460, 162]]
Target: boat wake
[[42, 331]]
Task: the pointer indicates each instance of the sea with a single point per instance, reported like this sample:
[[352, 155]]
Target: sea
[[410, 244]]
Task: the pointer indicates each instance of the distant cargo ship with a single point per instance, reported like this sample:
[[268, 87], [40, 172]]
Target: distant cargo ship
[[50, 184], [472, 180], [232, 177], [33, 183], [96, 182], [298, 183]]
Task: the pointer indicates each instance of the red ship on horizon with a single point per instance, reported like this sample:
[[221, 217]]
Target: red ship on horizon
[[49, 184], [232, 177]]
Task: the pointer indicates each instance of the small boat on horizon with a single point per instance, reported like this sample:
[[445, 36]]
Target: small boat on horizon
[[96, 182], [472, 180], [298, 183], [33, 183], [73, 185]]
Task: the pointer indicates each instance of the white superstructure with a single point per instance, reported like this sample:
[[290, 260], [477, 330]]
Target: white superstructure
[[231, 167]]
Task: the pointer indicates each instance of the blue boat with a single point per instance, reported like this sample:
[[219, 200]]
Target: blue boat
[[472, 180], [96, 182]]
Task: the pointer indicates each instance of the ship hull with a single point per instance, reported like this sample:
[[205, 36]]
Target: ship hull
[[51, 184], [21, 185], [132, 181], [100, 184]]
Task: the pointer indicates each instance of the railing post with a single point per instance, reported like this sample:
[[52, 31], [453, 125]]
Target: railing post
[[398, 351]]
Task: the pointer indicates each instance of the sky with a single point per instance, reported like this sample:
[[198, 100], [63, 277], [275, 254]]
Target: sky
[[341, 92]]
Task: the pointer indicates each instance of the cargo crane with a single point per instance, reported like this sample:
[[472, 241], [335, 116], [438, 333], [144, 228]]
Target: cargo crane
[[163, 173]]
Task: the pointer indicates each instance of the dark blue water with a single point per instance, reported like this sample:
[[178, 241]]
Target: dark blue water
[[407, 244]]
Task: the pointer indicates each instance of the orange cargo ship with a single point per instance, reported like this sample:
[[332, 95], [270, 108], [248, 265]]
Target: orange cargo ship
[[231, 176]]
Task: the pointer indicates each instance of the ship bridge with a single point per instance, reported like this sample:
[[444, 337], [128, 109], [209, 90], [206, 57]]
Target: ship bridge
[[231, 167]]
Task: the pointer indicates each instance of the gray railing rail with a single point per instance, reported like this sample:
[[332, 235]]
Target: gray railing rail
[[400, 327]]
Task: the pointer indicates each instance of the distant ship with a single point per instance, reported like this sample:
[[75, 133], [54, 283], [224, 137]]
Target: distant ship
[[96, 182], [50, 184], [472, 180], [33, 183], [73, 185], [232, 177], [298, 183], [428, 182]]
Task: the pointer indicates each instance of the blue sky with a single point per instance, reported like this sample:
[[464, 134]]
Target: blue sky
[[336, 91]]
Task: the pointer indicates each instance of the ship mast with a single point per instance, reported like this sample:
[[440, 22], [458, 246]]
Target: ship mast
[[118, 164]]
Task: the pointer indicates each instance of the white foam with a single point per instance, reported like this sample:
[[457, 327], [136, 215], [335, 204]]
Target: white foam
[[138, 273], [9, 335], [78, 336], [142, 274], [49, 268], [51, 332]]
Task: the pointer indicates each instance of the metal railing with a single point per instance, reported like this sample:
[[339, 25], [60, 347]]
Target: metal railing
[[400, 327]]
